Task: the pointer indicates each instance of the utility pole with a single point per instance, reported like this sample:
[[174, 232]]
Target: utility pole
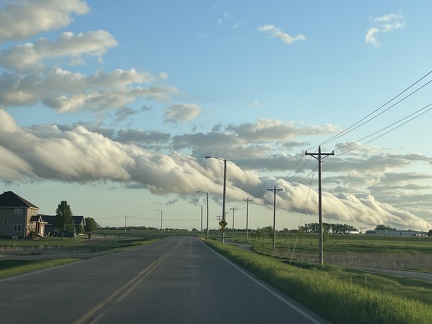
[[275, 191], [223, 223], [318, 156], [247, 216], [201, 217], [160, 219], [207, 194], [125, 225], [233, 222]]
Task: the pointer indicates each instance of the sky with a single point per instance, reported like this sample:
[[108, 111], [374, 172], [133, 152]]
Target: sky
[[113, 106]]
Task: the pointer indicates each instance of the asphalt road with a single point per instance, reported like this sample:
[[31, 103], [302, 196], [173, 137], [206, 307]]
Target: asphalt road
[[176, 280]]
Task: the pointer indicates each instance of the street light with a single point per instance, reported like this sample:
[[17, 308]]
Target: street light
[[201, 215], [207, 231], [223, 196], [161, 218]]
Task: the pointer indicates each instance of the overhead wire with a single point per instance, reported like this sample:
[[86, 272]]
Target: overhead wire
[[366, 119], [374, 114], [414, 115]]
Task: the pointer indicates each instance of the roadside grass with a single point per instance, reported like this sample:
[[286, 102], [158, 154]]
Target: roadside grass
[[11, 268], [134, 243], [81, 244], [339, 295], [55, 246]]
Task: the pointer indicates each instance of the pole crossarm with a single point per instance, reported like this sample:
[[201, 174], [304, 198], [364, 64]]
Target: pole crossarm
[[319, 157]]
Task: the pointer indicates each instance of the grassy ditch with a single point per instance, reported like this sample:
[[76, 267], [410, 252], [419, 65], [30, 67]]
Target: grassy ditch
[[59, 251], [338, 300], [11, 268], [57, 246]]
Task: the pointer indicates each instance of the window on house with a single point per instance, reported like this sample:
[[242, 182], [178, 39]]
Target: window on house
[[18, 211], [4, 221], [17, 227]]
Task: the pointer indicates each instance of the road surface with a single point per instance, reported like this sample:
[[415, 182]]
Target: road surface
[[176, 280]]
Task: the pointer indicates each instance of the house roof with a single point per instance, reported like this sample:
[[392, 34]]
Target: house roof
[[36, 218], [11, 199], [78, 220]]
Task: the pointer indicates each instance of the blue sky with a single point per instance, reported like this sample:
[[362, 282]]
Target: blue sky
[[113, 107]]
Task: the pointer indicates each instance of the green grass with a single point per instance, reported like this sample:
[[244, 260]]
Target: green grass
[[346, 243], [11, 268], [338, 295]]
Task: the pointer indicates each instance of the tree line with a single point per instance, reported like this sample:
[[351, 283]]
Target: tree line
[[328, 228]]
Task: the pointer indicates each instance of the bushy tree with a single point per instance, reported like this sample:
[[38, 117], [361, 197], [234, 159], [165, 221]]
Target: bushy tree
[[90, 226], [64, 218]]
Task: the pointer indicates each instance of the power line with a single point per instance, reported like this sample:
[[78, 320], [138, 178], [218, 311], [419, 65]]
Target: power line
[[366, 119], [414, 115]]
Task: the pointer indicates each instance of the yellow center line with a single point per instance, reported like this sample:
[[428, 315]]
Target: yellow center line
[[95, 314]]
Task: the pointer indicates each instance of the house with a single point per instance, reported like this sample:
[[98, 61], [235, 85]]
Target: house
[[19, 217], [79, 222], [15, 215]]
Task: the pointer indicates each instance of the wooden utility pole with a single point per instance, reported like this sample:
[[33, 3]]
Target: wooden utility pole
[[233, 209], [247, 216], [275, 191], [318, 156]]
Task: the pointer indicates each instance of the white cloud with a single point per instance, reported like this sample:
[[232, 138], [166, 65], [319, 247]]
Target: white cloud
[[20, 19], [163, 75], [28, 57], [66, 91], [181, 112], [46, 152], [276, 32], [256, 103], [275, 130], [383, 24], [371, 36]]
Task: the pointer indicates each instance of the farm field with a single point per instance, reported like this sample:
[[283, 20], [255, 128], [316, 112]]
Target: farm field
[[410, 253]]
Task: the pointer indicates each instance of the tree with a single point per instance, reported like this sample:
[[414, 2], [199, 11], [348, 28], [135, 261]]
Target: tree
[[90, 226], [385, 228], [64, 218]]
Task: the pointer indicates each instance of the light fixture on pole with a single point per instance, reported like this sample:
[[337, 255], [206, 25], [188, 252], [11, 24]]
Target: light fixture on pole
[[207, 231], [223, 222]]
